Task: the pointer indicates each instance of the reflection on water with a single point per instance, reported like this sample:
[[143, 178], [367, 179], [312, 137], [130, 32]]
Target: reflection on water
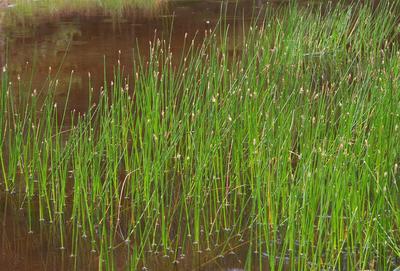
[[39, 249], [81, 43], [93, 44]]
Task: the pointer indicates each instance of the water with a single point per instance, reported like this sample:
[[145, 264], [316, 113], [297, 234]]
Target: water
[[40, 249], [82, 43], [91, 44], [53, 48]]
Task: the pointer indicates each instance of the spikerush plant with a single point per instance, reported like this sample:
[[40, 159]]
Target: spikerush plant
[[286, 143]]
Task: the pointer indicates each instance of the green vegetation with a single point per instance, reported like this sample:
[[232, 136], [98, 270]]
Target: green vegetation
[[287, 139], [32, 11]]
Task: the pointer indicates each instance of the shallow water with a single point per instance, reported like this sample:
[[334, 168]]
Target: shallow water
[[55, 47], [84, 43], [39, 249]]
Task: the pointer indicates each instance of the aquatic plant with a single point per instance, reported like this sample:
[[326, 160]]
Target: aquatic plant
[[284, 142]]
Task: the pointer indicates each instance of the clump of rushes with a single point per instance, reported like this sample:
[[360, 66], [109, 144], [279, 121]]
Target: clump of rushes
[[286, 136]]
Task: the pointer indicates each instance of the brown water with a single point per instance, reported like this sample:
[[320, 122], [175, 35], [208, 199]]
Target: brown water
[[40, 249], [82, 43]]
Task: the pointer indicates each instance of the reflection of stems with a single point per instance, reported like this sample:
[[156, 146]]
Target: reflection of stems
[[2, 42], [3, 170], [3, 118], [227, 183]]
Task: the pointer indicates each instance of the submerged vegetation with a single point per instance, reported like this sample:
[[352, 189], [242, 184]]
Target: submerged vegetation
[[285, 142]]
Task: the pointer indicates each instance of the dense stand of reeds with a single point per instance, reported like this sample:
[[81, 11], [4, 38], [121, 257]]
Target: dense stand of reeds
[[287, 140]]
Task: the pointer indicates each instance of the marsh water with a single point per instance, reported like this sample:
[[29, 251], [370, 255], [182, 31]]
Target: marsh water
[[53, 48]]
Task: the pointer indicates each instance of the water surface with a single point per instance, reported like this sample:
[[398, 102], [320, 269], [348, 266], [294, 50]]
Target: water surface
[[82, 43], [68, 49]]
